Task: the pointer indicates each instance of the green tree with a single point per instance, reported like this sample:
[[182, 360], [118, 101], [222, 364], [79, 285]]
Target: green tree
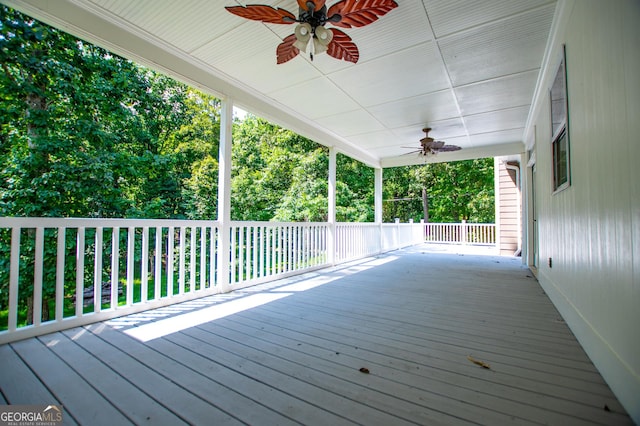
[[276, 174], [86, 133], [193, 148], [455, 191], [354, 190]]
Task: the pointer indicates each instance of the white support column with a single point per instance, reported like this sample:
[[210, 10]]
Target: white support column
[[377, 204], [224, 195], [331, 216], [378, 194], [496, 191]]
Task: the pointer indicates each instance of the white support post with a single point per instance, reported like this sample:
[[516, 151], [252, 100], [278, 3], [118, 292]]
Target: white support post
[[496, 191], [377, 204], [463, 232], [331, 217], [378, 194], [224, 195]]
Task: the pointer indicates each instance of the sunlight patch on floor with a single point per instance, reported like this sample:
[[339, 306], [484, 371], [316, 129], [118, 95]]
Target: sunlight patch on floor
[[177, 323]]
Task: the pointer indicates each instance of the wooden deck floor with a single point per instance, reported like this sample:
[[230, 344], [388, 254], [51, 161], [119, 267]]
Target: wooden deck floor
[[290, 352]]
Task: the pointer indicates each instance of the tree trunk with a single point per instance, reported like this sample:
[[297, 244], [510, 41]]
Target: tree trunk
[[29, 310], [425, 205], [45, 310]]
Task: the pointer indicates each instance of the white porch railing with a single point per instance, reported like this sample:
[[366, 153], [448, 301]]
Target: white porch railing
[[263, 251], [358, 240], [60, 273], [461, 233]]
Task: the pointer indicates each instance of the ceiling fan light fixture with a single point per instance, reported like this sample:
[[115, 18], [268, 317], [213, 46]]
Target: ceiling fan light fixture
[[321, 39], [312, 17], [303, 35]]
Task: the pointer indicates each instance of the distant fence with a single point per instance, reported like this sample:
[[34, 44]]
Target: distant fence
[[461, 233]]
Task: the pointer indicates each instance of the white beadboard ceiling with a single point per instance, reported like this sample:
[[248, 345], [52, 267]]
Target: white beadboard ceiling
[[466, 68]]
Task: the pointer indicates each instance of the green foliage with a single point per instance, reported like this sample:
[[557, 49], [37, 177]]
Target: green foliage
[[456, 191], [277, 174], [85, 133], [354, 191]]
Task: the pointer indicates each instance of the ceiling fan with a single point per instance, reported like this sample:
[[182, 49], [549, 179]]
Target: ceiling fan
[[313, 15], [430, 146]]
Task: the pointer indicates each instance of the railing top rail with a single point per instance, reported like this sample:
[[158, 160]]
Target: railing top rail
[[73, 222], [272, 223], [460, 223]]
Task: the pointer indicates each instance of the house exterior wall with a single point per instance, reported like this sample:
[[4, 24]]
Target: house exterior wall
[[591, 230], [508, 207]]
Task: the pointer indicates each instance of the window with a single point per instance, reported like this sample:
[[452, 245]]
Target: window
[[560, 128]]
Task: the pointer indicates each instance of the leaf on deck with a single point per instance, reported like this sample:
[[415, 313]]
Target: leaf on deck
[[478, 362]]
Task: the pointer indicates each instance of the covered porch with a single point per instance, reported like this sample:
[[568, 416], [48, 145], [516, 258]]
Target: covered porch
[[381, 340], [480, 74]]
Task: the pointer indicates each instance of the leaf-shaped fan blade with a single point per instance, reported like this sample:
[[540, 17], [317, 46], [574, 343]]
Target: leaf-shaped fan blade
[[436, 145], [259, 12], [319, 4], [286, 51], [446, 148], [342, 47], [358, 13]]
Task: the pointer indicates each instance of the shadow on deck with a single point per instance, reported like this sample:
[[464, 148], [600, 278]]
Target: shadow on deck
[[384, 341]]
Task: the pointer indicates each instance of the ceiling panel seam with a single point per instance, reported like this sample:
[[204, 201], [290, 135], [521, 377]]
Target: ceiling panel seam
[[449, 80], [495, 21]]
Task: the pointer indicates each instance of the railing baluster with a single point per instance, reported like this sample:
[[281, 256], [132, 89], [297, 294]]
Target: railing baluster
[[193, 260], [269, 247], [37, 276], [212, 257], [203, 257], [144, 265], [279, 249], [234, 255], [115, 265], [285, 248], [292, 247], [14, 278], [60, 261], [295, 252], [182, 259], [131, 246], [255, 245], [261, 243], [97, 271], [313, 246], [157, 278], [79, 271], [171, 234]]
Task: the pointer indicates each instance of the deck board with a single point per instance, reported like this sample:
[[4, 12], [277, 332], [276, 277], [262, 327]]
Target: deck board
[[410, 317], [79, 398], [286, 376], [161, 382], [450, 382], [137, 406], [20, 386]]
